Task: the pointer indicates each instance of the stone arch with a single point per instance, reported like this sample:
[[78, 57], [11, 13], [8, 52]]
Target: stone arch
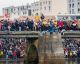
[[32, 55]]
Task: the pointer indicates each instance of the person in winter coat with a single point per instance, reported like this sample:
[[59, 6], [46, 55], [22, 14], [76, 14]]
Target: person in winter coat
[[42, 17], [14, 55], [61, 25], [66, 51], [38, 26], [74, 26], [21, 26], [70, 54], [17, 25], [65, 25], [13, 27], [0, 26], [55, 24], [5, 25], [37, 18], [10, 53], [7, 56], [1, 53], [18, 54], [51, 27], [78, 53], [30, 25]]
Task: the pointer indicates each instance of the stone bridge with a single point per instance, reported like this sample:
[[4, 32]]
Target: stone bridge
[[71, 34], [47, 45]]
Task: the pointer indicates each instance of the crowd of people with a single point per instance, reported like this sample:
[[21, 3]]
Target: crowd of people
[[12, 48], [71, 48], [39, 24]]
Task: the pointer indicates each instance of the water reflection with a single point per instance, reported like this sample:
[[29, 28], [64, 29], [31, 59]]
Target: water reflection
[[67, 61], [10, 62], [72, 61]]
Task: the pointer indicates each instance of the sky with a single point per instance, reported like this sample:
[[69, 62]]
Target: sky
[[7, 3]]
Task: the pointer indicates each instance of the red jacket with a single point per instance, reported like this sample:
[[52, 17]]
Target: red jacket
[[14, 53], [61, 24], [0, 25]]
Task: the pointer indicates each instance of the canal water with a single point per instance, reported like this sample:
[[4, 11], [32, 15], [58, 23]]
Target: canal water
[[11, 62], [72, 61], [55, 61], [51, 61], [63, 61]]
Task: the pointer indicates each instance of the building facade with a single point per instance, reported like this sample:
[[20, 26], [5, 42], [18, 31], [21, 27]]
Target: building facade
[[46, 7], [74, 6], [16, 12], [49, 7]]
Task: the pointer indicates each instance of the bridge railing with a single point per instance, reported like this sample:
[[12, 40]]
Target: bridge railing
[[18, 34], [71, 34]]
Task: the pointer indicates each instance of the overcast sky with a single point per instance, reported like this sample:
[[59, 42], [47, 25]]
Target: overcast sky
[[6, 3]]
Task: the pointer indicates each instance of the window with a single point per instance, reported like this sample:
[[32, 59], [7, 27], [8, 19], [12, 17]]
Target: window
[[18, 9], [29, 12], [33, 10], [49, 2], [44, 8], [78, 9], [12, 10], [40, 8], [70, 5], [23, 13], [72, 0], [78, 3], [40, 3], [73, 5], [21, 8], [36, 4], [73, 11], [43, 2], [70, 11], [27, 7], [78, 0], [49, 8], [37, 9], [18, 13], [14, 13], [69, 0], [46, 2], [7, 10]]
